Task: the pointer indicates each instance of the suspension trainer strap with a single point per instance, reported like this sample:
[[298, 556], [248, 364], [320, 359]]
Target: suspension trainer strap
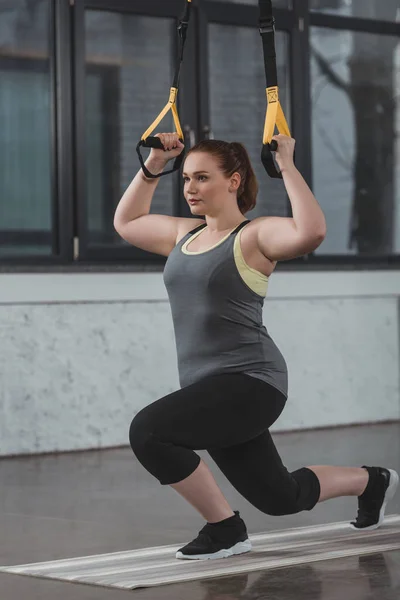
[[153, 142], [274, 116]]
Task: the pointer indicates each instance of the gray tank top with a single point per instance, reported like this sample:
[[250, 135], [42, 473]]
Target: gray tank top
[[217, 317]]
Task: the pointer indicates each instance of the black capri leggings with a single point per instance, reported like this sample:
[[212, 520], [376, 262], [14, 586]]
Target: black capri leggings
[[228, 415]]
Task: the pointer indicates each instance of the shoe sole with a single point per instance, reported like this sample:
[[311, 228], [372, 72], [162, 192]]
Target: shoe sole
[[390, 492], [239, 548]]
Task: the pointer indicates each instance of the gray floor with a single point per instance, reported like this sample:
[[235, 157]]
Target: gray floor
[[97, 502]]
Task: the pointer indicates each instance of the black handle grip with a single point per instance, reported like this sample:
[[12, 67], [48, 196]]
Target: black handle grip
[[273, 146], [155, 142], [268, 160]]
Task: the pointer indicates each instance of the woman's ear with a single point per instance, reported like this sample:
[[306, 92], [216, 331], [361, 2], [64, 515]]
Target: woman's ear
[[235, 182]]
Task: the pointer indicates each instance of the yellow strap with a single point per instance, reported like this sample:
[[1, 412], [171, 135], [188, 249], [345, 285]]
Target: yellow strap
[[176, 121], [274, 116], [281, 122], [171, 105]]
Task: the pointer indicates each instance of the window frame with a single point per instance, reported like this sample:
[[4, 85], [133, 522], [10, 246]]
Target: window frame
[[354, 25], [228, 14], [60, 148], [67, 70], [88, 253]]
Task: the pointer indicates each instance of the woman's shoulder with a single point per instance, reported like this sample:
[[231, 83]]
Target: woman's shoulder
[[252, 254], [186, 225]]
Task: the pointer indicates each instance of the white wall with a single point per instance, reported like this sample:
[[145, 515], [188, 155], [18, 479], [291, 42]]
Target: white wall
[[82, 353]]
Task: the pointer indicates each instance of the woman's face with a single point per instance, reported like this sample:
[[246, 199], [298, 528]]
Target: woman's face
[[206, 188]]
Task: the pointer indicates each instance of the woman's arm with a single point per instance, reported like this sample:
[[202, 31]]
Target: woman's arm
[[284, 238], [137, 199]]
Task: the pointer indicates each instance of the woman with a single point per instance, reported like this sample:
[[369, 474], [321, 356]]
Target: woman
[[233, 377]]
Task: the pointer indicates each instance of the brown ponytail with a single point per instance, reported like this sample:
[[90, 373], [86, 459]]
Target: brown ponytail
[[233, 158]]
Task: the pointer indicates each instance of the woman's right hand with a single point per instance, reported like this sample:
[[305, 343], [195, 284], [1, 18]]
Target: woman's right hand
[[173, 147]]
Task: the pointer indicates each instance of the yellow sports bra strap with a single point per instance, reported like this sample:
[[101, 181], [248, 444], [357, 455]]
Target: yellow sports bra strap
[[171, 105]]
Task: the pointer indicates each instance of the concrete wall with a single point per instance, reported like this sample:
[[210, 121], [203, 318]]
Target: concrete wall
[[82, 353]]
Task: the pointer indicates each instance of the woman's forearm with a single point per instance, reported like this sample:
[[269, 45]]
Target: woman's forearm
[[307, 213], [136, 201]]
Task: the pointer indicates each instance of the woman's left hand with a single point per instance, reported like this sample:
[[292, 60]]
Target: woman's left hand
[[284, 154]]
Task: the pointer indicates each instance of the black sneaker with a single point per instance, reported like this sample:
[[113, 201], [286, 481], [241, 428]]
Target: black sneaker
[[372, 503], [217, 540]]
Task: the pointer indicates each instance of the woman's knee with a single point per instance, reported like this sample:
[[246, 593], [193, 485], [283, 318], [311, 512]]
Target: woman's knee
[[140, 431], [301, 493], [278, 505], [168, 462]]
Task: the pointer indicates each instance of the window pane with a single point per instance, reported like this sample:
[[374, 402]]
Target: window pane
[[238, 101], [25, 119], [379, 10], [129, 71], [356, 153]]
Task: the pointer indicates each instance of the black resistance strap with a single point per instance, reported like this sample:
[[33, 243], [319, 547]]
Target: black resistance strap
[[155, 142], [274, 116]]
